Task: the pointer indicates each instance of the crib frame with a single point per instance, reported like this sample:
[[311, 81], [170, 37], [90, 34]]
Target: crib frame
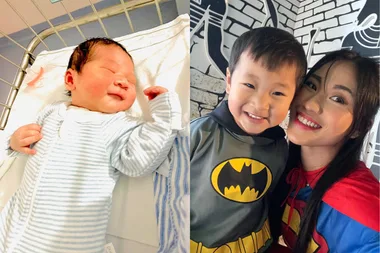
[[28, 57]]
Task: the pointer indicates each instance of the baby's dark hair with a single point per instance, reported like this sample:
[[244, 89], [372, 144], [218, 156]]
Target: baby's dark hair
[[83, 52], [273, 46]]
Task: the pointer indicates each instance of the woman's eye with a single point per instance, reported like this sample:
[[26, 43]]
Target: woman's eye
[[310, 85], [249, 85], [277, 93], [339, 100]]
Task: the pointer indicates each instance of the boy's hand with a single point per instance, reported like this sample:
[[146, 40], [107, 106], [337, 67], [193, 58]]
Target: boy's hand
[[23, 137], [154, 91]]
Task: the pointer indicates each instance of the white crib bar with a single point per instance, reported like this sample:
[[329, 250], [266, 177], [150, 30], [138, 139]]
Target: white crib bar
[[26, 23], [72, 19], [11, 62], [18, 44], [8, 83], [157, 2], [47, 20], [127, 15], [99, 19]]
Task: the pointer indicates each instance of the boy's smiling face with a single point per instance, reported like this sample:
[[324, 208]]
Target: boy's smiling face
[[258, 98]]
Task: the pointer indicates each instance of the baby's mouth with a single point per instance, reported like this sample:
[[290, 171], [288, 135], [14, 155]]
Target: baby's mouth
[[117, 96]]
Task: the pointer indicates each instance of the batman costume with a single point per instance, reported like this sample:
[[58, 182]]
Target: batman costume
[[232, 174]]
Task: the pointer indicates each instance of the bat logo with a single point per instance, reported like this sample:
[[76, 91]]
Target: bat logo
[[241, 179]]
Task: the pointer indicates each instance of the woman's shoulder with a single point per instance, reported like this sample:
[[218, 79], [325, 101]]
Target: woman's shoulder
[[357, 196]]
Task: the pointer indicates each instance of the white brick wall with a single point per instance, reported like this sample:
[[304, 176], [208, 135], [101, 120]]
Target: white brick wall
[[287, 13], [290, 23], [358, 5], [321, 36], [338, 31], [238, 29], [304, 15], [300, 10], [326, 46], [338, 11], [326, 24], [313, 5], [294, 2], [237, 15], [302, 31], [204, 97], [229, 39], [305, 39], [256, 4], [256, 25], [305, 2], [236, 3], [227, 23], [282, 18], [298, 24], [313, 19], [314, 59], [345, 19], [341, 2], [286, 4], [252, 12], [325, 7]]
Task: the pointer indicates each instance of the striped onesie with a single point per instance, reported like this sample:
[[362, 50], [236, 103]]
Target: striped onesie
[[64, 200]]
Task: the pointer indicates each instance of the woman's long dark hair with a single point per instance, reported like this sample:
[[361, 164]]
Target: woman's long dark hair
[[365, 108]]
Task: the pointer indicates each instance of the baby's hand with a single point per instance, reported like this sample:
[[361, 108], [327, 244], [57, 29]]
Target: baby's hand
[[23, 137], [154, 91]]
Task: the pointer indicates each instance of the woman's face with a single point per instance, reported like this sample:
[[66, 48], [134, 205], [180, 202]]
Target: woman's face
[[322, 111]]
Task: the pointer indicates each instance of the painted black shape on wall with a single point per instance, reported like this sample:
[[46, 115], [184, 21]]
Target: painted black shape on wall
[[367, 40], [213, 15]]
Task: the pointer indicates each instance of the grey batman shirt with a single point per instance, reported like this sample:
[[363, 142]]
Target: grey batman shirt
[[232, 174]]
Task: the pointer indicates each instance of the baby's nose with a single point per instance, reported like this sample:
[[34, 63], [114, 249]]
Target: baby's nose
[[121, 82]]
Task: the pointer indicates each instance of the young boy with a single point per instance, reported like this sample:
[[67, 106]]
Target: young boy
[[238, 151], [64, 200]]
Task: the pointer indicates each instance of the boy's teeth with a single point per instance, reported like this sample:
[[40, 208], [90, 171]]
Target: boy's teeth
[[307, 122], [253, 116]]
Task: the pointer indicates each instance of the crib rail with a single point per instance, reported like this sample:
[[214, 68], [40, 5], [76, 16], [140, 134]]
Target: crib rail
[[29, 57]]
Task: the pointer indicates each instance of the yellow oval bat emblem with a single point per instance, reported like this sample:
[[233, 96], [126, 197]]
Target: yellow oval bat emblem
[[241, 179]]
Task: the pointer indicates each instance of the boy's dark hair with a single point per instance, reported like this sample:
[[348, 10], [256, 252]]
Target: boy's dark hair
[[273, 46], [83, 52]]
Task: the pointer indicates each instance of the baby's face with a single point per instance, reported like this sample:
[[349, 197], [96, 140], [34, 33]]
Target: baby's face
[[106, 82]]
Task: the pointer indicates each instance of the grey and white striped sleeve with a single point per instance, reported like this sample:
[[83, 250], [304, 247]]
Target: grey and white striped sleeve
[[10, 131], [148, 144]]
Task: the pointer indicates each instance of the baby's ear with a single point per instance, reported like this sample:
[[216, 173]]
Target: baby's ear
[[70, 76], [228, 80]]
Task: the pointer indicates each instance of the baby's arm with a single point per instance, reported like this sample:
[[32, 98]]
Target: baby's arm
[[145, 147]]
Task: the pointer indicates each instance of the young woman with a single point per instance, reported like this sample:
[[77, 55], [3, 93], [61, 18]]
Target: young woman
[[333, 198]]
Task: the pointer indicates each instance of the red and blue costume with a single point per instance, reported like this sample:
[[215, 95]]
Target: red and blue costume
[[348, 218]]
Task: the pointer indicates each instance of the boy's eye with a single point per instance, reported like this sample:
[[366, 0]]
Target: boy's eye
[[339, 100], [277, 93], [310, 85], [249, 85]]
